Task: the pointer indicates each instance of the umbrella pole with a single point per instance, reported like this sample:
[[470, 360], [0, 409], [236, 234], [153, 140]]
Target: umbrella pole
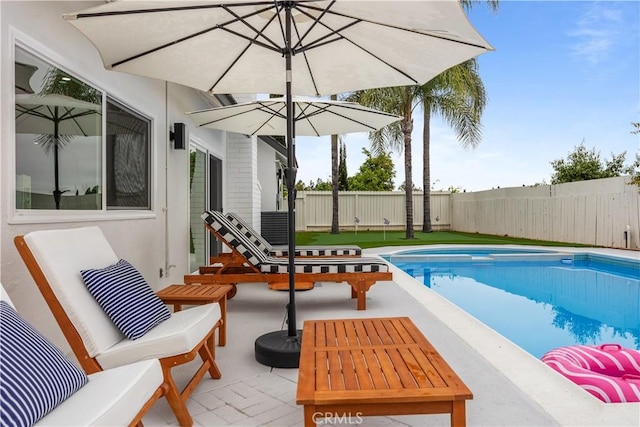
[[57, 194], [56, 191], [291, 185], [281, 349]]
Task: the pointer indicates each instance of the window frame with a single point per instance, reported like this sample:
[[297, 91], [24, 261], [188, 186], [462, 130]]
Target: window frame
[[27, 216], [149, 157]]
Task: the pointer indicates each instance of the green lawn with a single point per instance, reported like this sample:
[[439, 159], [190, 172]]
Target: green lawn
[[373, 239]]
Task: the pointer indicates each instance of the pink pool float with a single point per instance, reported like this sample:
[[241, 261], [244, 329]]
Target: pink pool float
[[608, 371]]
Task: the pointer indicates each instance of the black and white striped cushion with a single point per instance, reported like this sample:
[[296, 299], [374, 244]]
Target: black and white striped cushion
[[318, 251], [234, 237], [250, 233], [283, 251], [35, 376], [126, 298], [326, 265], [281, 265]]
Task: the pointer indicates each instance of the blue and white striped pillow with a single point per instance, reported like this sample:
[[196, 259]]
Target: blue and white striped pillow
[[126, 297], [35, 376]]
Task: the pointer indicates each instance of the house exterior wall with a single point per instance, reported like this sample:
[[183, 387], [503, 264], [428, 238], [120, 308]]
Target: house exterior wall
[[267, 173], [243, 187], [155, 241]]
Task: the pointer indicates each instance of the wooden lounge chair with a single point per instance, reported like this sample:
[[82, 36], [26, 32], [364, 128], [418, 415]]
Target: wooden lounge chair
[[55, 259], [45, 387], [283, 250], [251, 265]]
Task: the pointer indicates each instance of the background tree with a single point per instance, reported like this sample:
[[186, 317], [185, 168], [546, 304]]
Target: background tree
[[635, 167], [342, 168], [318, 185], [582, 165], [455, 189], [321, 185], [402, 187], [459, 97], [635, 170], [400, 101], [491, 4], [335, 178], [375, 174]]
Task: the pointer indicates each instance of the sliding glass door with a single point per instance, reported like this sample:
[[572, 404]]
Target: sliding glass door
[[205, 192]]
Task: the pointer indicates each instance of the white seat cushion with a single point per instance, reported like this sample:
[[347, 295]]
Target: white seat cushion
[[61, 254], [4, 296], [179, 334], [110, 398]]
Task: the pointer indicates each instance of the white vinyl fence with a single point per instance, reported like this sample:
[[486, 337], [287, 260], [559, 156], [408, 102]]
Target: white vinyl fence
[[314, 210], [604, 212]]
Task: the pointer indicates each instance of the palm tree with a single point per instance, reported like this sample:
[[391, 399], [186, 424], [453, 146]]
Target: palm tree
[[397, 136], [335, 226], [459, 97]]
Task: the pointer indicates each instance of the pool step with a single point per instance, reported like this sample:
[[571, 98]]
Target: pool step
[[564, 257]]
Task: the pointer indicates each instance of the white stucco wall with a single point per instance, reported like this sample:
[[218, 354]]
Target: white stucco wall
[[267, 173], [243, 187], [150, 240]]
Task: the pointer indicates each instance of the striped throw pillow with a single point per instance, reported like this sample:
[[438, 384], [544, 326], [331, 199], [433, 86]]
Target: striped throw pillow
[[35, 376], [126, 298]]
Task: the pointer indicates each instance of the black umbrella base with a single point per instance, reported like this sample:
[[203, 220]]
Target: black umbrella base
[[278, 349]]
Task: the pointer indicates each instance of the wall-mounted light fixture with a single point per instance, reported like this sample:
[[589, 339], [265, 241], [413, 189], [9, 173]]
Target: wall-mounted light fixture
[[178, 136]]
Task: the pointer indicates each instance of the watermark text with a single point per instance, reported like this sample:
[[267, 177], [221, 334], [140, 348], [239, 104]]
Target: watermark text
[[335, 419]]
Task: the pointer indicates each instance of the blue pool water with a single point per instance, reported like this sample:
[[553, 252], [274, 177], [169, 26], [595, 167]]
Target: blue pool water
[[539, 304]]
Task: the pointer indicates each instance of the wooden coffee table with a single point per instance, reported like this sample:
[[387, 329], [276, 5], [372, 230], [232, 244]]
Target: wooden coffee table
[[351, 368], [198, 295]]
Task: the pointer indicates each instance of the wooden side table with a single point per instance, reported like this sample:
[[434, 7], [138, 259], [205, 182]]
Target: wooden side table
[[198, 295]]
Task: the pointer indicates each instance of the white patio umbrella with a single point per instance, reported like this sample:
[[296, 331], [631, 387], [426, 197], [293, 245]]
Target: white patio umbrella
[[312, 117], [301, 47], [23, 74], [60, 116]]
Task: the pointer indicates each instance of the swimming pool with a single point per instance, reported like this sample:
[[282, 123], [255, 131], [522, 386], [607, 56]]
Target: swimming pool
[[474, 251], [537, 299]]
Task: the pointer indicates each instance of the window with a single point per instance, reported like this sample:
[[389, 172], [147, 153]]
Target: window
[[128, 136], [62, 146]]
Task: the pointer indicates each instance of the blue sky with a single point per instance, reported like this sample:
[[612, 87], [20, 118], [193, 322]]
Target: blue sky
[[562, 72]]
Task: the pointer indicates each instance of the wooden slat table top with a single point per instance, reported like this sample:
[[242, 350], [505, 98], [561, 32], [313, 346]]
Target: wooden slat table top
[[186, 293], [375, 360]]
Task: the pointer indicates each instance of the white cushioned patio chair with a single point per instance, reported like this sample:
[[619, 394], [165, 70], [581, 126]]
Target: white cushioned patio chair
[[41, 385], [57, 260]]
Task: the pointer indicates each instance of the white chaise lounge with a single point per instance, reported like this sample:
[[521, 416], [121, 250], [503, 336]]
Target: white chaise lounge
[[115, 397], [57, 260]]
